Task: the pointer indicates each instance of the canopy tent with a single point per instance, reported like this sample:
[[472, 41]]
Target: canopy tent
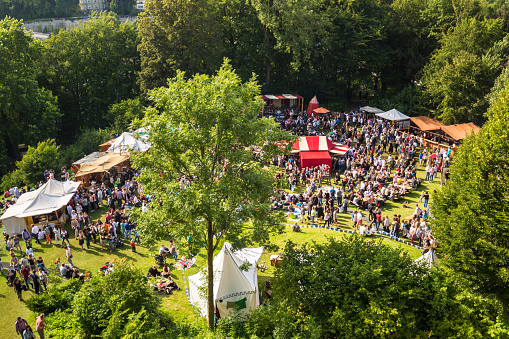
[[321, 110], [234, 289], [313, 104], [393, 115], [429, 258], [286, 100], [48, 198], [126, 142], [315, 151], [460, 131], [372, 110], [103, 164]]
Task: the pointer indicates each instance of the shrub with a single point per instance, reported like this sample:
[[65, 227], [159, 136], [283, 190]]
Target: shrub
[[58, 298]]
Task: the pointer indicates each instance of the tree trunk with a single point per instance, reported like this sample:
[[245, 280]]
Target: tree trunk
[[210, 273]]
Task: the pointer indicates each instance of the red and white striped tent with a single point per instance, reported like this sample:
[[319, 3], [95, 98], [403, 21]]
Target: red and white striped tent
[[315, 151]]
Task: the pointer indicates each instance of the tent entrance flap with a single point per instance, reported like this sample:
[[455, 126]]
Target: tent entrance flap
[[316, 158]]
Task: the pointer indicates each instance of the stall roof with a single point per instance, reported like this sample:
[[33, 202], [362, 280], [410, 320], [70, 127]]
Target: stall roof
[[426, 123], [321, 110], [460, 131], [103, 164], [89, 158], [281, 96]]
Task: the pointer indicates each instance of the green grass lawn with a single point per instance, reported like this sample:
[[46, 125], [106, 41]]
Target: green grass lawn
[[177, 303]]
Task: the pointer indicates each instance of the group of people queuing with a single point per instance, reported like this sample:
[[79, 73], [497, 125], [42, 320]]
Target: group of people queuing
[[380, 166]]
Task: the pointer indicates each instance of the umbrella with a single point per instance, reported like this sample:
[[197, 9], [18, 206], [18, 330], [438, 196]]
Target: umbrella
[[433, 156], [321, 110]]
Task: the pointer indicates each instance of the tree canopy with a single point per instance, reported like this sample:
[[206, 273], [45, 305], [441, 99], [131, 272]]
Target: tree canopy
[[471, 221], [206, 182]]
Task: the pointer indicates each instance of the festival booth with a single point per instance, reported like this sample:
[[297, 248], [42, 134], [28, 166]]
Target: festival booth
[[396, 116], [87, 160], [105, 166], [104, 147], [313, 104], [371, 110], [460, 131], [235, 289], [127, 142], [44, 206], [316, 151], [284, 100]]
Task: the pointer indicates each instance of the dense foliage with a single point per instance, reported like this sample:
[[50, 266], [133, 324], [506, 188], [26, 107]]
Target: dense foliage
[[471, 218], [120, 305], [354, 288]]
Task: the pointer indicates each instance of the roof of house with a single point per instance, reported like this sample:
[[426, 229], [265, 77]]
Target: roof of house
[[426, 123], [460, 131]]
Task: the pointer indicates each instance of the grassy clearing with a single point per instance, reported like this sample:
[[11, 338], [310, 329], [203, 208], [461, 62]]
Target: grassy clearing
[[177, 304]]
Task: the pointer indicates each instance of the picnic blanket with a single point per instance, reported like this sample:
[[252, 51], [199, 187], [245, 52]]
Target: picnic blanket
[[179, 265]]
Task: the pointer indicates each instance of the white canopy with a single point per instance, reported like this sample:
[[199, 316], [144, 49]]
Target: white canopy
[[393, 115], [47, 199], [231, 283], [126, 142], [371, 109], [430, 258]]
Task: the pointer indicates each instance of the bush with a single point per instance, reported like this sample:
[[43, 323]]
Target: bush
[[88, 141], [58, 298], [45, 156]]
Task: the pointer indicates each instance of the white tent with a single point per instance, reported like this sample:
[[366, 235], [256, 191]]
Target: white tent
[[231, 283], [393, 115], [48, 198], [371, 109], [430, 258], [126, 142]]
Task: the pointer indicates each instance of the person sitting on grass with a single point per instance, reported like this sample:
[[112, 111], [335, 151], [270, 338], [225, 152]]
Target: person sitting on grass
[[153, 272], [405, 204], [166, 271]]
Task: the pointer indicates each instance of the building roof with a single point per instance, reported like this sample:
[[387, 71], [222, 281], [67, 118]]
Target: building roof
[[426, 123], [103, 164], [460, 131]]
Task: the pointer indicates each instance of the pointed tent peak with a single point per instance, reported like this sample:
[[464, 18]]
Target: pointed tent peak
[[314, 100], [128, 142]]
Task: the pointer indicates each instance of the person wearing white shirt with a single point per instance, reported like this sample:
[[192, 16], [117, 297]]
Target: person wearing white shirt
[[69, 210], [35, 233]]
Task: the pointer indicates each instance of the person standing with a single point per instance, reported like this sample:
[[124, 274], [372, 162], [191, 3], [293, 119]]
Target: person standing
[[68, 254], [39, 325], [25, 272], [37, 282], [18, 287], [20, 325]]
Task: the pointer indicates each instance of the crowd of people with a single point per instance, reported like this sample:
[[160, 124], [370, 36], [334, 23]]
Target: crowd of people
[[380, 166]]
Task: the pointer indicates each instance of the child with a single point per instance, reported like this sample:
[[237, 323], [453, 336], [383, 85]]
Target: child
[[133, 246], [57, 264]]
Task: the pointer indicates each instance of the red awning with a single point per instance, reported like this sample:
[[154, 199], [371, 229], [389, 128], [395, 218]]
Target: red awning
[[279, 96], [316, 158], [297, 96], [265, 98]]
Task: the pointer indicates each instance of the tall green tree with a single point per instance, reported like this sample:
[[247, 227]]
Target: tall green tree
[[461, 73], [206, 182], [45, 156], [177, 35], [90, 67], [471, 218], [28, 113]]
